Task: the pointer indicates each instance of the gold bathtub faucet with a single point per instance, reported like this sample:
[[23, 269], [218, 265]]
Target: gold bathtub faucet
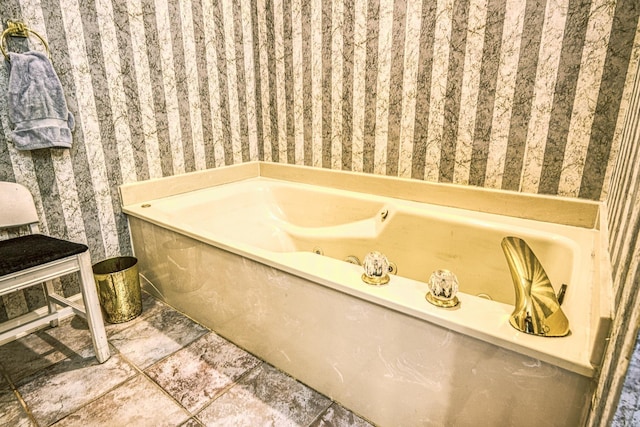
[[537, 310]]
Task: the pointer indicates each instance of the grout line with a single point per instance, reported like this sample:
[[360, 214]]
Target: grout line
[[195, 420], [67, 356], [25, 407], [166, 393], [331, 401], [230, 385], [141, 371], [113, 351], [18, 396], [324, 411]]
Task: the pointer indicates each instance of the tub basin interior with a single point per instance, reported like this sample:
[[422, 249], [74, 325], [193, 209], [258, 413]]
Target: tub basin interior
[[269, 215]]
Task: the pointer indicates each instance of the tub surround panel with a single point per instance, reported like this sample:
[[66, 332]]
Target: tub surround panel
[[136, 399], [245, 221], [606, 299], [328, 339]]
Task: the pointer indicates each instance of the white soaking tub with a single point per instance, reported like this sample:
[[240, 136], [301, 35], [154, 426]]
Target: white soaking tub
[[262, 262]]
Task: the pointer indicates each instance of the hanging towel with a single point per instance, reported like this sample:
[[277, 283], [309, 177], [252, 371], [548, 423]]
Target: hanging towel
[[37, 106]]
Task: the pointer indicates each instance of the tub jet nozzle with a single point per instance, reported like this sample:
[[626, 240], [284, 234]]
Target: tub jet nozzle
[[352, 259]]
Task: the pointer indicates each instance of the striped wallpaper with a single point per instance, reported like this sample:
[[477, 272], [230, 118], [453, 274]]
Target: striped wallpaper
[[521, 95], [503, 93], [623, 206]]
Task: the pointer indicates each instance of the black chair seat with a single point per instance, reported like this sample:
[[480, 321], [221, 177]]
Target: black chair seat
[[32, 250]]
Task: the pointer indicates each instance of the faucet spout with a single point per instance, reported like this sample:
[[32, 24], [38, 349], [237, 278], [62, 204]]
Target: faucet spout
[[537, 310]]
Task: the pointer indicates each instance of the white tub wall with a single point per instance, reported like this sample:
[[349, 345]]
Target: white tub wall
[[554, 209], [391, 368], [137, 192]]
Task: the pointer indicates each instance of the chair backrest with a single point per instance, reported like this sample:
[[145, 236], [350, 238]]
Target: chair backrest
[[16, 206]]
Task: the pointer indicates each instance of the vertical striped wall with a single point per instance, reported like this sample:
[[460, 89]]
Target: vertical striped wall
[[623, 214], [157, 87], [525, 95], [511, 94]]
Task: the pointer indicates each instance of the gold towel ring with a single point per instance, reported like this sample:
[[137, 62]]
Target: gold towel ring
[[19, 29]]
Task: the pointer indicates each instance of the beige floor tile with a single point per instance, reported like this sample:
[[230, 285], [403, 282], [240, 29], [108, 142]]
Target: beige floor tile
[[138, 402], [198, 373], [156, 336], [61, 381], [29, 354], [70, 384], [72, 337], [265, 397]]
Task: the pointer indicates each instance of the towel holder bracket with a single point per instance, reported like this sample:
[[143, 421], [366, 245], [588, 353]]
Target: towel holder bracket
[[17, 28]]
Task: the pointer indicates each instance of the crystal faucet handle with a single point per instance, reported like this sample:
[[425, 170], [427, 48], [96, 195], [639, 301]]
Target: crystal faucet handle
[[443, 287], [376, 269]]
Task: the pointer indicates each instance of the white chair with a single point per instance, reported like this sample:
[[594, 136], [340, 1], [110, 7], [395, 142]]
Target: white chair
[[34, 259]]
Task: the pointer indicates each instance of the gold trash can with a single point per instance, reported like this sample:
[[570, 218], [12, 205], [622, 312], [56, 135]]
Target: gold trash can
[[118, 286]]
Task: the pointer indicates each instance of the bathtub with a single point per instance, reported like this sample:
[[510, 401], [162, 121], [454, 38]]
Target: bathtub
[[258, 252]]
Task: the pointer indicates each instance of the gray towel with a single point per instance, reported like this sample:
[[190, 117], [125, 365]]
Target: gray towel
[[36, 103]]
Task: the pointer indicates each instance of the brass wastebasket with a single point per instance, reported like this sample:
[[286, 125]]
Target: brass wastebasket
[[118, 286]]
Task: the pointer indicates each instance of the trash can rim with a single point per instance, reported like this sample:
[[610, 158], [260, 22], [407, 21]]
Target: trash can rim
[[104, 267]]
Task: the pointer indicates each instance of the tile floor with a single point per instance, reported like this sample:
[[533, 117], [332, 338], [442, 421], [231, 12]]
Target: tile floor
[[165, 370]]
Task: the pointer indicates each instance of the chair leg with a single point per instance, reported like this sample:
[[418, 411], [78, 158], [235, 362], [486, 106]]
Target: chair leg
[[48, 290], [92, 307]]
